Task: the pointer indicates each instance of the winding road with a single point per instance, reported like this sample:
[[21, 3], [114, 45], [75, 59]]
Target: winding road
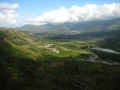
[[95, 58]]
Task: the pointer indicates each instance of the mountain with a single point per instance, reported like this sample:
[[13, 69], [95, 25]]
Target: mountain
[[73, 28], [49, 29]]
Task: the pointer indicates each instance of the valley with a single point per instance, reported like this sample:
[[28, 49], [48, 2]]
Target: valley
[[80, 61]]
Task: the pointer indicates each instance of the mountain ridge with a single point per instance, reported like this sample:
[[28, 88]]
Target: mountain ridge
[[73, 28]]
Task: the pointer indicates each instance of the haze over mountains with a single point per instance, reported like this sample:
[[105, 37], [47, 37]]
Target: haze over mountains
[[74, 28]]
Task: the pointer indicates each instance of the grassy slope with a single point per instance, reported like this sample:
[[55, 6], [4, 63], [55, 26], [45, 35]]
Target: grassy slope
[[34, 48]]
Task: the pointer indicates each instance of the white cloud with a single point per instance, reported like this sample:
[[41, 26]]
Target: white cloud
[[8, 6], [8, 14], [78, 14]]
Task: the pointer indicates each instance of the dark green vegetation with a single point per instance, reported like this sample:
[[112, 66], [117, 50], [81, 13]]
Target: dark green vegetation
[[112, 42], [107, 54], [53, 62]]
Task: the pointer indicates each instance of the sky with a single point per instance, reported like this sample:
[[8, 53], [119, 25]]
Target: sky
[[39, 12]]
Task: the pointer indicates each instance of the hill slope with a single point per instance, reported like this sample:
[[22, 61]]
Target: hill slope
[[34, 48]]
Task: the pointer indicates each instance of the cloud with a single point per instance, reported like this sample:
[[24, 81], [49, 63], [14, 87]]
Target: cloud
[[8, 14], [78, 14]]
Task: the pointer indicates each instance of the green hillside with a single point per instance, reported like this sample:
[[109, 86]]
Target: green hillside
[[31, 63], [33, 47]]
